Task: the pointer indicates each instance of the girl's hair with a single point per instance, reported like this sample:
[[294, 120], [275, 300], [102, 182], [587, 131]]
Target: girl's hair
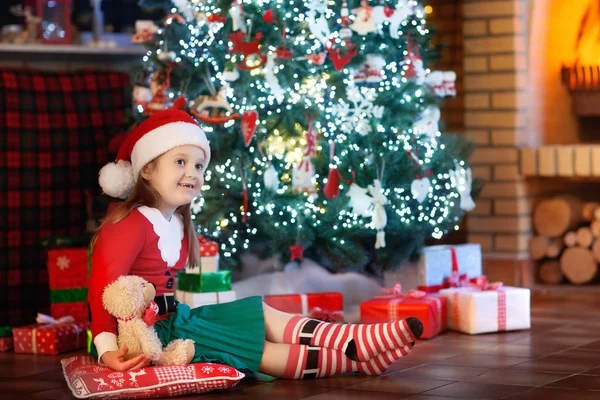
[[144, 194]]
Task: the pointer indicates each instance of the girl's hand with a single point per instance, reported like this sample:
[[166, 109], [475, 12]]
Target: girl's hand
[[115, 360]]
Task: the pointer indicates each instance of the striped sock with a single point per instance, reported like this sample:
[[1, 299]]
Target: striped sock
[[360, 342], [306, 362]]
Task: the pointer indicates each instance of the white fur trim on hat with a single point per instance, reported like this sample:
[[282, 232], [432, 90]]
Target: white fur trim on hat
[[164, 138], [116, 179]]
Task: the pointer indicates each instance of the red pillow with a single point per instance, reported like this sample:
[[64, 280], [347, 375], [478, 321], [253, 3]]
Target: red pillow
[[87, 379]]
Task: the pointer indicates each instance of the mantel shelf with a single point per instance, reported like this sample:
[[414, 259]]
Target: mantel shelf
[[55, 49]]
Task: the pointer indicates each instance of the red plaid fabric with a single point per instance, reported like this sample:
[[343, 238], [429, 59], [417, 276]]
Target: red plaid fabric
[[54, 132]]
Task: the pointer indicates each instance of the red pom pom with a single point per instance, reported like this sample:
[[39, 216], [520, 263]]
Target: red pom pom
[[268, 16], [180, 103]]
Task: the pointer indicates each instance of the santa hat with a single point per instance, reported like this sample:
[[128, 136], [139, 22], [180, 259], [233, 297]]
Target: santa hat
[[158, 134]]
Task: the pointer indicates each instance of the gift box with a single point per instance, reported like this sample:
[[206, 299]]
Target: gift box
[[6, 344], [209, 256], [219, 281], [71, 302], [52, 338], [6, 338], [306, 304], [202, 299], [68, 268], [430, 309], [483, 307], [439, 267]]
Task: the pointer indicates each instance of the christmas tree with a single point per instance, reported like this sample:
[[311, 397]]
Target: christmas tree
[[323, 118]]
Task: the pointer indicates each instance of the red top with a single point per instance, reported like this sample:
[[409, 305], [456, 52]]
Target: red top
[[129, 247]]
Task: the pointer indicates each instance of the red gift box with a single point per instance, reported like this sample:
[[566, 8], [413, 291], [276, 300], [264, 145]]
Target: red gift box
[[68, 268], [430, 309], [6, 343], [305, 304], [78, 310], [50, 338]]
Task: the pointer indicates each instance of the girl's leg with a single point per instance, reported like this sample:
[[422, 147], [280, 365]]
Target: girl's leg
[[359, 342], [294, 361]]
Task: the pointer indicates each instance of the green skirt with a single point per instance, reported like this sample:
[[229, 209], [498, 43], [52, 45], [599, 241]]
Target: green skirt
[[229, 333]]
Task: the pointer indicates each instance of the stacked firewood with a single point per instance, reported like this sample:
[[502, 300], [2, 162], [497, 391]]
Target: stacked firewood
[[567, 243]]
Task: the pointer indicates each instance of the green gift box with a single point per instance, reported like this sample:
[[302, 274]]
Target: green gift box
[[210, 282]]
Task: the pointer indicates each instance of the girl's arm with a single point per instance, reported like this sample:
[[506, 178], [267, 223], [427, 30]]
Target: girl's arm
[[116, 249]]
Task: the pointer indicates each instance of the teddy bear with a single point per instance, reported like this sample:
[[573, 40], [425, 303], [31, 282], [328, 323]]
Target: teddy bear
[[130, 299]]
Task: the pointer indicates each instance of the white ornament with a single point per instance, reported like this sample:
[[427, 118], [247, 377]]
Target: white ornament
[[271, 178], [442, 83], [462, 179], [271, 79], [141, 95], [318, 26], [183, 7], [167, 56], [435, 80], [356, 116], [362, 204], [364, 22], [428, 122], [379, 214], [420, 189], [401, 13], [303, 174], [371, 70], [231, 75], [449, 83], [237, 18]]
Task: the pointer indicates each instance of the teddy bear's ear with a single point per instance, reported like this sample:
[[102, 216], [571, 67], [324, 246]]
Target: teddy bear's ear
[[122, 297]]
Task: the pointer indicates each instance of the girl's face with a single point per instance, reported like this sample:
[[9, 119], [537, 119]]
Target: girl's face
[[177, 176]]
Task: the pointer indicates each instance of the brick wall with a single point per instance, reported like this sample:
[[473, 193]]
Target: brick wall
[[448, 19], [495, 83]]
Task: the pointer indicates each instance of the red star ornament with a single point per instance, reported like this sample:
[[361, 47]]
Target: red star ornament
[[297, 252]]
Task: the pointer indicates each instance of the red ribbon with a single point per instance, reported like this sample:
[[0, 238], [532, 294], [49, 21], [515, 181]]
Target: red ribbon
[[482, 283], [396, 291]]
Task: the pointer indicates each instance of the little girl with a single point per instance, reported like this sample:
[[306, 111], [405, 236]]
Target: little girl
[[159, 170]]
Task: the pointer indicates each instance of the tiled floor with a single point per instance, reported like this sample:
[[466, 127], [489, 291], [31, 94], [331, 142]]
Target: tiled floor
[[559, 358]]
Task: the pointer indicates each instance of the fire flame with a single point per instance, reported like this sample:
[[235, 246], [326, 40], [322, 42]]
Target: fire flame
[[587, 43]]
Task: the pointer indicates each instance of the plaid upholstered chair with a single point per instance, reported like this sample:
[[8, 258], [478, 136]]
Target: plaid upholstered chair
[[54, 132]]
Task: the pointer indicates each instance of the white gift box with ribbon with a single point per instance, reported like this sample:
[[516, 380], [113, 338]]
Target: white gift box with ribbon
[[494, 309]]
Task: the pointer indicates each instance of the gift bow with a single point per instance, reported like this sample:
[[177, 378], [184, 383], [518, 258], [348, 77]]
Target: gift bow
[[46, 319], [326, 315], [482, 283], [457, 280], [396, 290]]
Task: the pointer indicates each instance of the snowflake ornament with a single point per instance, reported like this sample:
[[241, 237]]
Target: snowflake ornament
[[63, 263], [355, 115]]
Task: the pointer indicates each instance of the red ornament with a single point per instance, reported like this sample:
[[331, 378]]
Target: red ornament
[[331, 190], [249, 123], [247, 49], [317, 59], [283, 53], [388, 11], [340, 60], [268, 16], [296, 252], [217, 18]]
